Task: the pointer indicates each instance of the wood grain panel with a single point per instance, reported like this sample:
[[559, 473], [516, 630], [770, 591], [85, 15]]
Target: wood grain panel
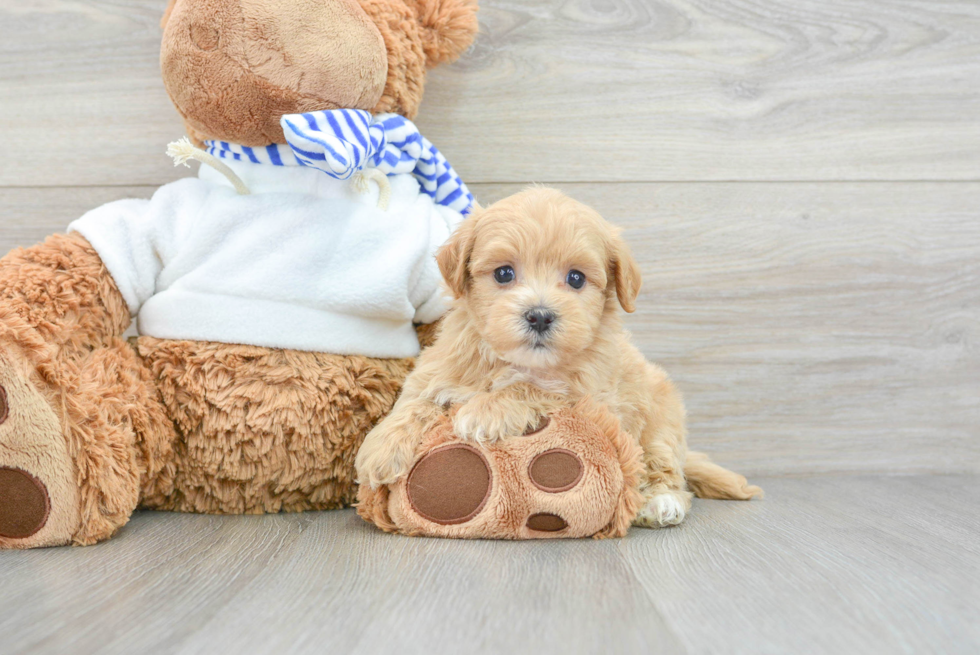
[[28, 215], [822, 565], [81, 99], [811, 327], [561, 90]]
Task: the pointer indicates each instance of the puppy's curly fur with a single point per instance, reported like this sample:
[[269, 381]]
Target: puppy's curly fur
[[524, 338]]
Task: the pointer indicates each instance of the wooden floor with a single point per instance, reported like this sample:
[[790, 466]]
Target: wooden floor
[[833, 564], [800, 181]]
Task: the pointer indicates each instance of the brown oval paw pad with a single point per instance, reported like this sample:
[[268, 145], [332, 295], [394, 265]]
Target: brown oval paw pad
[[542, 424], [4, 407], [24, 504], [449, 485], [555, 470], [546, 522]]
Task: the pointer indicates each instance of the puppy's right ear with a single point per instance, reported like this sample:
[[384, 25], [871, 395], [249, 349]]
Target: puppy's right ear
[[626, 273], [454, 256]]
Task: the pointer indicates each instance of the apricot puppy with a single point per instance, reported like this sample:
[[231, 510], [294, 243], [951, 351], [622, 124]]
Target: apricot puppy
[[538, 281]]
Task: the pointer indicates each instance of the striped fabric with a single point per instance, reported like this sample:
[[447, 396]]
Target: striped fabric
[[341, 142]]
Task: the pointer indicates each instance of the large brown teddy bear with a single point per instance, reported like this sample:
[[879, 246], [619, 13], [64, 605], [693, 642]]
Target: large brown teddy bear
[[93, 426]]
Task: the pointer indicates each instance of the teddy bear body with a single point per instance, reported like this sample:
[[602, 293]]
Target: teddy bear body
[[93, 426]]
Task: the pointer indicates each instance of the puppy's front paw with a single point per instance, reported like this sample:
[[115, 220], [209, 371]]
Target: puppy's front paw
[[487, 419], [661, 510], [471, 424], [383, 460]]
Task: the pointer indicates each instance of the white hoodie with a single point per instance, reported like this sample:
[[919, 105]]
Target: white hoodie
[[303, 262]]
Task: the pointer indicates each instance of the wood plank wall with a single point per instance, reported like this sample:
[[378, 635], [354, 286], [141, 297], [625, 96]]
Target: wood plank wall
[[800, 180]]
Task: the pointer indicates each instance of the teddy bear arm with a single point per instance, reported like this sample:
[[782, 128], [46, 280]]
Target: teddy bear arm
[[62, 290]]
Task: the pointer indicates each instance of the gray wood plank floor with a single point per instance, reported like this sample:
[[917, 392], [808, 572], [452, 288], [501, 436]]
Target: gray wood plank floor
[[833, 564]]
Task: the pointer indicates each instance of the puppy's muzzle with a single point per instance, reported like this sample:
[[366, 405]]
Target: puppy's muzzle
[[540, 319]]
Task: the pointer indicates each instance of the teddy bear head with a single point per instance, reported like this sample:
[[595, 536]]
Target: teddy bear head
[[233, 68]]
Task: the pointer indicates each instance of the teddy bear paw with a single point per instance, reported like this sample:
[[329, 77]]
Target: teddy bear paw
[[552, 482], [39, 499], [450, 485]]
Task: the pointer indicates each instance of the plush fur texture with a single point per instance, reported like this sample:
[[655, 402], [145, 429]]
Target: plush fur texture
[[33, 442], [83, 399], [234, 67], [105, 425], [264, 430], [61, 290], [506, 376], [447, 28], [601, 504], [179, 425]]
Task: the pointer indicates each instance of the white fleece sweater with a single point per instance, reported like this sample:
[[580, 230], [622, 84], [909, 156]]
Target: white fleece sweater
[[304, 262]]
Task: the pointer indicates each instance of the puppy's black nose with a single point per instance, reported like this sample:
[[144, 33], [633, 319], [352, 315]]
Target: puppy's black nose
[[540, 319]]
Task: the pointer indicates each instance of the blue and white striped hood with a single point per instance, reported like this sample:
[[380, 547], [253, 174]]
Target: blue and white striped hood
[[341, 142]]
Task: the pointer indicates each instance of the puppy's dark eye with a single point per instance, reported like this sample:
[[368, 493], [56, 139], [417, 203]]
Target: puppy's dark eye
[[575, 279], [504, 274]]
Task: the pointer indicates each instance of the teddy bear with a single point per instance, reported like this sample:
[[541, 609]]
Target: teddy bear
[[281, 295]]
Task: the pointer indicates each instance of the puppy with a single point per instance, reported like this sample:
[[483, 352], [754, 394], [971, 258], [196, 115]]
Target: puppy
[[538, 282]]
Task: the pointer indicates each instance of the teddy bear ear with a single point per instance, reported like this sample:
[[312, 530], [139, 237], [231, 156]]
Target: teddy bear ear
[[448, 28]]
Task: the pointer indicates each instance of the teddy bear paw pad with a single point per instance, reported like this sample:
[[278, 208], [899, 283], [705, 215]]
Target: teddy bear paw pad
[[555, 470], [24, 504], [545, 522], [449, 485], [39, 489], [542, 424]]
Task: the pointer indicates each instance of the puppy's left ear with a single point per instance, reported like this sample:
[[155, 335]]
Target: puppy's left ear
[[626, 273], [454, 256]]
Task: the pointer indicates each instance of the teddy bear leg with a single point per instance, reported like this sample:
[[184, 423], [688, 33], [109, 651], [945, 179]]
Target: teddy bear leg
[[39, 495], [77, 414], [262, 429], [575, 474], [74, 457]]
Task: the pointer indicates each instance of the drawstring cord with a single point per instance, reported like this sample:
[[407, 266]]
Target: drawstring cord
[[183, 150], [359, 181]]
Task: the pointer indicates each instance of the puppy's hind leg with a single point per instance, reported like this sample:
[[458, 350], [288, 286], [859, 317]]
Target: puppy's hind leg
[[666, 501], [666, 497]]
